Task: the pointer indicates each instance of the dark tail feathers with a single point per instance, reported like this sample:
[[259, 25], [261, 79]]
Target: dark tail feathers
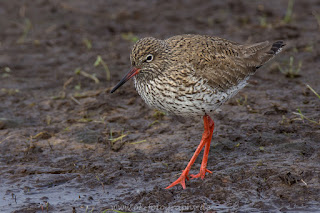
[[276, 47]]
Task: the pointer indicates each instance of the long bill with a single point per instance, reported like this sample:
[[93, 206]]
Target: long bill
[[134, 71]]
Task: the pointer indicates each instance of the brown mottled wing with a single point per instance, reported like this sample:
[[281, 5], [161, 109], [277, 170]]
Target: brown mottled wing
[[224, 63], [232, 63]]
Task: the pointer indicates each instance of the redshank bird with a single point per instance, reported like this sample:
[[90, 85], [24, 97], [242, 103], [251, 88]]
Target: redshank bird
[[193, 75]]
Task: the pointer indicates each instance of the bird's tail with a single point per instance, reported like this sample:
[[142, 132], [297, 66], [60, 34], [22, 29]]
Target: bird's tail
[[276, 47], [261, 53]]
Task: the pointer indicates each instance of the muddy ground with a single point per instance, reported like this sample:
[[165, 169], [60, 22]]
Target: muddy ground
[[68, 145]]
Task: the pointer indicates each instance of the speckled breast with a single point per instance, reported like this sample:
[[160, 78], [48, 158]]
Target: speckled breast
[[174, 97]]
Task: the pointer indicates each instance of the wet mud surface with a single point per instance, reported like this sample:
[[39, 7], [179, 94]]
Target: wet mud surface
[[68, 145]]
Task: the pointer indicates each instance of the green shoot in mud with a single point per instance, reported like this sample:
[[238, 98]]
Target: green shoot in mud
[[130, 37], [113, 210], [153, 123], [242, 100], [288, 17], [87, 43], [6, 73], [317, 16], [292, 70], [312, 90], [75, 100], [158, 114], [114, 140], [26, 29], [118, 138], [9, 91], [98, 179], [137, 142], [263, 22], [93, 77], [285, 120], [302, 117], [84, 120], [47, 206], [87, 209], [105, 66], [308, 48]]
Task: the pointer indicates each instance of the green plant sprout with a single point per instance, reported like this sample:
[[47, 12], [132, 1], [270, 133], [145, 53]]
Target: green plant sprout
[[6, 73], [113, 210], [312, 90], [105, 66], [302, 116], [137, 142], [292, 71], [242, 101], [26, 29], [263, 21], [288, 17], [87, 43], [130, 37], [78, 71], [317, 16]]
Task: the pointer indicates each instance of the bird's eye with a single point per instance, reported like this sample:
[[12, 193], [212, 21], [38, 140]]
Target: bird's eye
[[149, 58]]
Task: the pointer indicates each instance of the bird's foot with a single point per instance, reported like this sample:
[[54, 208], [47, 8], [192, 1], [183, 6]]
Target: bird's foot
[[181, 180], [201, 174]]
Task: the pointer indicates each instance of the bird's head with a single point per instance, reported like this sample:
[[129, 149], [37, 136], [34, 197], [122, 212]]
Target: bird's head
[[148, 59]]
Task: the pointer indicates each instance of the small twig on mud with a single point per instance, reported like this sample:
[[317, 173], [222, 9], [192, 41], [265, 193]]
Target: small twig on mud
[[105, 66], [51, 28], [304, 182], [75, 100], [67, 82]]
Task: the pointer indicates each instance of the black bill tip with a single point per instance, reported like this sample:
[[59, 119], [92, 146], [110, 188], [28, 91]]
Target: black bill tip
[[134, 71]]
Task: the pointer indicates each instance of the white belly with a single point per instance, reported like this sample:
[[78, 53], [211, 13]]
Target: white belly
[[184, 101]]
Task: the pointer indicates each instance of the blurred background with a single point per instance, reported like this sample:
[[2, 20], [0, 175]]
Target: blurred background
[[67, 144]]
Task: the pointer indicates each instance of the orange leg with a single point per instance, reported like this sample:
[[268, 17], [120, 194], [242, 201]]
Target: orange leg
[[203, 167], [205, 141]]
